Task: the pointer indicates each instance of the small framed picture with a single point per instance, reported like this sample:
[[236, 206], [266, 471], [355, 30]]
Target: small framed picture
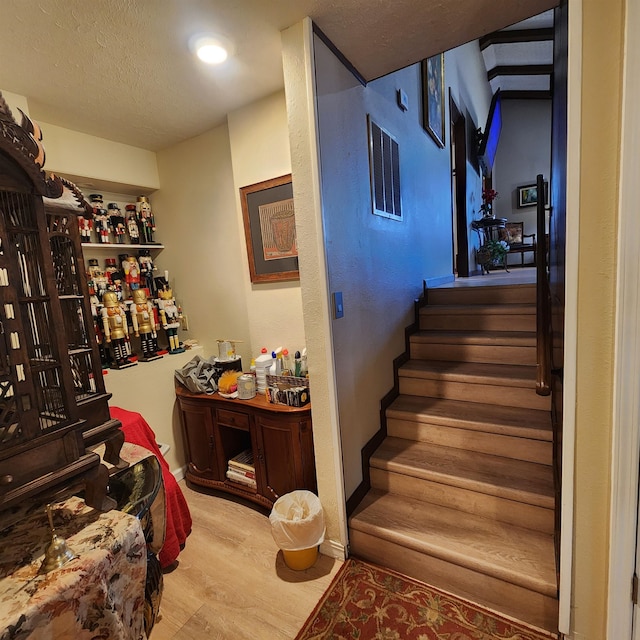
[[528, 195], [270, 230]]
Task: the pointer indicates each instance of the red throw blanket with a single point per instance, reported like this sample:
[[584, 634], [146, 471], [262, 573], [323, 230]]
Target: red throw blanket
[[178, 521]]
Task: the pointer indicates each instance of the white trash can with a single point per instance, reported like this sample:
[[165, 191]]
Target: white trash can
[[297, 526]]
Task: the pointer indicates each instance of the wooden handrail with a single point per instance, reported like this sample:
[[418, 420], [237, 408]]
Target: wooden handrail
[[543, 299]]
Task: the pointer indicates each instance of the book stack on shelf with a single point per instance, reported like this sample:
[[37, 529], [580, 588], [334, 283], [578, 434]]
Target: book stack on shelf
[[240, 469]]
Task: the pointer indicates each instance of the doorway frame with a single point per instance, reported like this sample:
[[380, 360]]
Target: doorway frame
[[460, 228], [625, 457]]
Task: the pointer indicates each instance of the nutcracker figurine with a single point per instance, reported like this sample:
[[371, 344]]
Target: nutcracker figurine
[[97, 276], [131, 270], [96, 309], [145, 325], [85, 225], [132, 223], [147, 269], [117, 222], [114, 324], [110, 267], [169, 318], [145, 220], [100, 217]]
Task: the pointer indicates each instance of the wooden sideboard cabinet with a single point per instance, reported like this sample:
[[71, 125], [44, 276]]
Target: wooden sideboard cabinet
[[281, 438]]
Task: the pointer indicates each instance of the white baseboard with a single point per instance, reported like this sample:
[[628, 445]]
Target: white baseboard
[[439, 281], [179, 474], [333, 549]]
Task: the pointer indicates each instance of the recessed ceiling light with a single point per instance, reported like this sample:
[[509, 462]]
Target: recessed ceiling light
[[211, 50]]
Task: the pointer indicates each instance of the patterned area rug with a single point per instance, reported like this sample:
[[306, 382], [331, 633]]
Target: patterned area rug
[[370, 603]]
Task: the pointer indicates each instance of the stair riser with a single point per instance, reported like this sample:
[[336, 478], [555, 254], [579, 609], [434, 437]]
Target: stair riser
[[497, 354], [521, 603], [493, 322], [525, 398], [466, 500], [537, 451], [482, 295]]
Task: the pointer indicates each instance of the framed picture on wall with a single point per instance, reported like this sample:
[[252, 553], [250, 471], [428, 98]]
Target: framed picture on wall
[[270, 230], [433, 98], [528, 195]]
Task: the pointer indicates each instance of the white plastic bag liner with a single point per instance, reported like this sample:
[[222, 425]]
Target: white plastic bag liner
[[297, 521]]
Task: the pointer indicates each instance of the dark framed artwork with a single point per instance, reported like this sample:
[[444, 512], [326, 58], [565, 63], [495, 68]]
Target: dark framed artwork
[[270, 230], [433, 98], [528, 195]]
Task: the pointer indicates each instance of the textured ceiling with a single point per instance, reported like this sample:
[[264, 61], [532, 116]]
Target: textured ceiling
[[122, 69]]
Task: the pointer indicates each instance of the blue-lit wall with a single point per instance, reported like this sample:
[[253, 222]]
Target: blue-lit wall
[[379, 264]]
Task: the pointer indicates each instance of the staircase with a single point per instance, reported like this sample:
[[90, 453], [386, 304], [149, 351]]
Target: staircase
[[462, 492]]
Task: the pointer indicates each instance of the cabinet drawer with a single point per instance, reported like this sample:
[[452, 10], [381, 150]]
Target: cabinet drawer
[[232, 419]]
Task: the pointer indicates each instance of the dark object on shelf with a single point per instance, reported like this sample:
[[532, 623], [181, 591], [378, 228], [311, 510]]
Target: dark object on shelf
[[52, 399], [216, 429]]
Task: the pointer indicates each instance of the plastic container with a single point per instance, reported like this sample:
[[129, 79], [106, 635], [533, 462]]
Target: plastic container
[[263, 363], [297, 526]]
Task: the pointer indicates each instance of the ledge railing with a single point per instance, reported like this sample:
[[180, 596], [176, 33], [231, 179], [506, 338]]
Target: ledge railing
[[543, 298]]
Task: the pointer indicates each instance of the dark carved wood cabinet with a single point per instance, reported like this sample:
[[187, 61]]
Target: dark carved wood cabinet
[[280, 437], [52, 397]]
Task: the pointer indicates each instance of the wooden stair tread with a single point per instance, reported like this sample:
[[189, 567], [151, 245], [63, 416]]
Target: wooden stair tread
[[472, 372], [492, 294], [478, 309], [489, 338], [490, 288], [518, 556], [525, 482], [530, 423]]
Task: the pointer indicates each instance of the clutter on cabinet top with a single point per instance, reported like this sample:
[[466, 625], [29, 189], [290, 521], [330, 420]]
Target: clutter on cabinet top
[[228, 384], [201, 375], [227, 349], [282, 377]]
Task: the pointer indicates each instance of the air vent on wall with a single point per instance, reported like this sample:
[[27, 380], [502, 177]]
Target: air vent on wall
[[385, 172]]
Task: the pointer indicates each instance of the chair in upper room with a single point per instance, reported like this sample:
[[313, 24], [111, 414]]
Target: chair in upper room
[[518, 241]]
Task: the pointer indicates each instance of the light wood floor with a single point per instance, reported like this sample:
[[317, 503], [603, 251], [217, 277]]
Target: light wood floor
[[515, 275], [231, 580]]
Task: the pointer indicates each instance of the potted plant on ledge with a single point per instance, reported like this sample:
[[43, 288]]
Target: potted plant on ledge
[[492, 254]]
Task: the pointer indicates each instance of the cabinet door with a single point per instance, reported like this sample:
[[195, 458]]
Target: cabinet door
[[198, 431], [279, 456]]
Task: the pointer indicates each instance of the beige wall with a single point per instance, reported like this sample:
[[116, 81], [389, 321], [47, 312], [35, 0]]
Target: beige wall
[[599, 166], [259, 140], [76, 155], [298, 62]]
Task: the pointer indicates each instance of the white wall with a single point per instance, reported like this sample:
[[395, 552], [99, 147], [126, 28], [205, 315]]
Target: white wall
[[466, 76], [379, 264], [524, 152]]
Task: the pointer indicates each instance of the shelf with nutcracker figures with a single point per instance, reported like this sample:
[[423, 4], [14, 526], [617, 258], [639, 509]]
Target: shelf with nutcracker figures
[[130, 225], [135, 315], [129, 313]]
